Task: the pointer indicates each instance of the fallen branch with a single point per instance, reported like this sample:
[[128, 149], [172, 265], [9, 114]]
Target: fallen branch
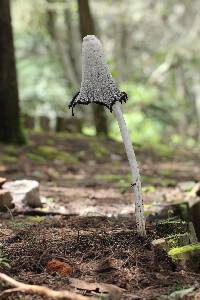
[[38, 290]]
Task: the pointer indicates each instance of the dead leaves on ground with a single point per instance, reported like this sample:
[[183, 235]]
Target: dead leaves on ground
[[59, 267], [2, 181]]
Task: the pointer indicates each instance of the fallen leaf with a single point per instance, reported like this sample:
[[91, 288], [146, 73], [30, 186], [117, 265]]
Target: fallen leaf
[[5, 200], [113, 292], [59, 267], [2, 181], [195, 192], [182, 293], [107, 265]]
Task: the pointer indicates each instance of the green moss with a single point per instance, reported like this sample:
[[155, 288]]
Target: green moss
[[178, 240], [47, 152], [8, 159], [66, 157], [81, 154], [26, 222], [181, 250], [166, 172], [36, 157], [148, 188], [16, 225], [108, 177], [51, 153], [70, 135], [123, 185], [171, 227], [121, 180], [164, 151], [116, 163], [99, 149], [173, 241], [150, 180], [147, 213], [34, 219], [148, 206], [171, 222], [51, 142], [11, 149]]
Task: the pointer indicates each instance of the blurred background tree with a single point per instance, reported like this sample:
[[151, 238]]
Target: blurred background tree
[[153, 49], [10, 130]]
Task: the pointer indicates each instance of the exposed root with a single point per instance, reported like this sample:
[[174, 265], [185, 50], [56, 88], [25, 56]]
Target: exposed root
[[38, 290]]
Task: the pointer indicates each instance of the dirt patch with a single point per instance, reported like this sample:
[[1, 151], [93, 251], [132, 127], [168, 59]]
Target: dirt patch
[[99, 249]]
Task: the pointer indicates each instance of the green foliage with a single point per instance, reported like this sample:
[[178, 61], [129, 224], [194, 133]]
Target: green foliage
[[4, 261], [41, 83], [157, 71], [143, 129]]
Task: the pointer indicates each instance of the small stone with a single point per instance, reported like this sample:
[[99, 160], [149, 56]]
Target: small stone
[[186, 186], [159, 243], [24, 192], [195, 192], [2, 181], [5, 200]]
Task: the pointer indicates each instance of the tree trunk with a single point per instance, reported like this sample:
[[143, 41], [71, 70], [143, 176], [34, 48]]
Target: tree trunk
[[10, 131], [87, 27], [62, 52]]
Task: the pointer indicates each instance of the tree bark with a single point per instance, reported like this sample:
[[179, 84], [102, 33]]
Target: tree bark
[[87, 27], [10, 130]]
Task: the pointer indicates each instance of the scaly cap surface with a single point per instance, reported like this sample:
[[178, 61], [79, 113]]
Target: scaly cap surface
[[97, 83]]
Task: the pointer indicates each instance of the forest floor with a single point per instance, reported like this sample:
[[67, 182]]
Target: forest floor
[[86, 228]]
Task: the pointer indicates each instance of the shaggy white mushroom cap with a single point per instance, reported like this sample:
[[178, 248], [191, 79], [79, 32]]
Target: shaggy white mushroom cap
[[97, 83]]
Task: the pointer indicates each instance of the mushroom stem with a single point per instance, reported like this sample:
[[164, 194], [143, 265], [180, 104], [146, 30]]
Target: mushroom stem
[[136, 185]]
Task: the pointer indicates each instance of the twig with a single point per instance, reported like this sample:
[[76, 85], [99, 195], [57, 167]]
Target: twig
[[10, 212], [39, 290]]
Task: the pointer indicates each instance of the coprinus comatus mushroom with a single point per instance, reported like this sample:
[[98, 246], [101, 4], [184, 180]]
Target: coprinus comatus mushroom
[[99, 87]]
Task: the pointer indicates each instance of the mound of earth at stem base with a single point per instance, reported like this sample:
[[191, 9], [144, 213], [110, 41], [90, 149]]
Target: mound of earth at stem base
[[97, 249]]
